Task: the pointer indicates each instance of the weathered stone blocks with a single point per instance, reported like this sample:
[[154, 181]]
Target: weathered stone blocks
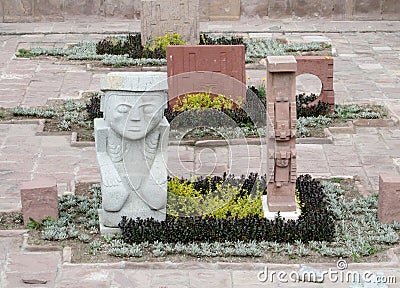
[[39, 199], [224, 10], [252, 8], [322, 67], [48, 10], [81, 7], [281, 105], [219, 69], [390, 10], [17, 10], [58, 10], [367, 9], [280, 9], [178, 16], [130, 9], [313, 8], [389, 198]]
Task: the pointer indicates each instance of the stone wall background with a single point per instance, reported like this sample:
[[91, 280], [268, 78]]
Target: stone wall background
[[60, 10]]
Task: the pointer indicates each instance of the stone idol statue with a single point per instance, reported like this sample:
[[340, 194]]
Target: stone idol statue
[[131, 146]]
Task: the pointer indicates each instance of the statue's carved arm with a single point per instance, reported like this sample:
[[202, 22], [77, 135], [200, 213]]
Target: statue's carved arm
[[113, 191]]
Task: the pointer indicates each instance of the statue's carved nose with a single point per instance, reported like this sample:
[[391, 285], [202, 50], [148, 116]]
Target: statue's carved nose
[[135, 114]]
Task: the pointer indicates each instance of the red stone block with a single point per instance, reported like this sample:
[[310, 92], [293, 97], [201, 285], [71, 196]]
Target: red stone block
[[322, 67], [281, 91], [39, 199], [389, 198], [218, 69]]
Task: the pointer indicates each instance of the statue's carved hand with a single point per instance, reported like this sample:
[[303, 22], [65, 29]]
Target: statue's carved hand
[[113, 191], [157, 199], [114, 197], [110, 181]]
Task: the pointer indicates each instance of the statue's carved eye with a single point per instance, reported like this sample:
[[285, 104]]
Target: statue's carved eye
[[123, 108], [149, 108]]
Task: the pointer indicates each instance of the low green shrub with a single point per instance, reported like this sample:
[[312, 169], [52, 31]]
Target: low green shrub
[[130, 45], [209, 39], [202, 101], [354, 111], [315, 224], [24, 53], [261, 48], [93, 107], [319, 109], [305, 124], [358, 230], [48, 112], [219, 197], [156, 47], [125, 60], [74, 211], [128, 50]]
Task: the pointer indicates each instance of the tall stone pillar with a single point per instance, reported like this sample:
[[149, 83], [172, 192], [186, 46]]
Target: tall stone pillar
[[281, 94], [174, 16]]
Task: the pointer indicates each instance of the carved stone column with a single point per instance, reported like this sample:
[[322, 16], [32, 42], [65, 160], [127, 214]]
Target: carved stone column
[[281, 94]]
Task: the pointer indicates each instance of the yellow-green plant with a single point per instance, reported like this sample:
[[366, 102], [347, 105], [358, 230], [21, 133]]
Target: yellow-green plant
[[241, 207], [185, 200], [161, 42], [203, 100], [299, 203]]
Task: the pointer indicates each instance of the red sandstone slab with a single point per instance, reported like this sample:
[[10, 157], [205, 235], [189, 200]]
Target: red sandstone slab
[[219, 69], [281, 91], [322, 67], [39, 199], [389, 198]]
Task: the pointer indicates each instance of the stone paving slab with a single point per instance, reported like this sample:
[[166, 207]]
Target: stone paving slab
[[210, 275], [18, 265]]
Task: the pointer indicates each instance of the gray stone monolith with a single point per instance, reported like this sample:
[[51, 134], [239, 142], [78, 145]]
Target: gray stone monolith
[[131, 146]]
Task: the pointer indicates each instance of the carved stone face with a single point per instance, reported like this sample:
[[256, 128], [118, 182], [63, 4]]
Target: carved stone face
[[133, 117]]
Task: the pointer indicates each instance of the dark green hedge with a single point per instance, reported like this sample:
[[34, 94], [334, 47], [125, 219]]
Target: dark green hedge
[[315, 223]]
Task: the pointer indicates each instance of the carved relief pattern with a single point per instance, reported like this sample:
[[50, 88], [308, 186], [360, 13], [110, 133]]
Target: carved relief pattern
[[282, 113], [179, 16]]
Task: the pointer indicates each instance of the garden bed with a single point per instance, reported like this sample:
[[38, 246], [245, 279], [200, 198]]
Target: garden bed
[[118, 51], [359, 236], [315, 125]]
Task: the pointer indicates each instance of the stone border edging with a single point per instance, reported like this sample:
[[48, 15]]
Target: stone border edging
[[21, 121], [90, 67], [75, 143], [12, 233], [328, 139], [349, 129], [386, 122], [220, 265]]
